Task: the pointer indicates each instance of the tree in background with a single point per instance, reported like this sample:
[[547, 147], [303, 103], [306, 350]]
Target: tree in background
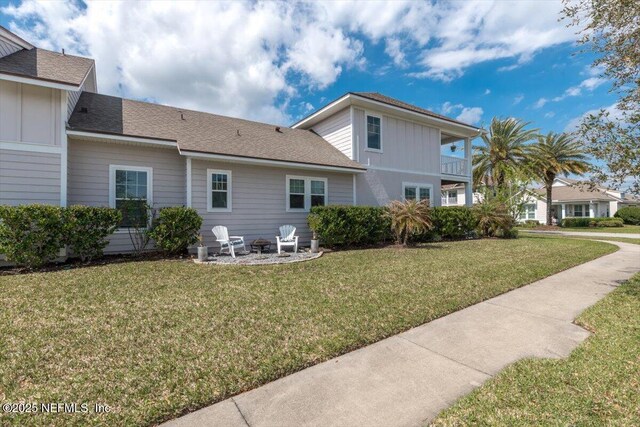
[[555, 154], [503, 156], [611, 28]]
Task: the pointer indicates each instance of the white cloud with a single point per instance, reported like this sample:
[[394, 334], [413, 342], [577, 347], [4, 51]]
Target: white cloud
[[589, 84], [470, 115], [252, 58], [540, 103], [487, 91], [550, 114], [518, 99]]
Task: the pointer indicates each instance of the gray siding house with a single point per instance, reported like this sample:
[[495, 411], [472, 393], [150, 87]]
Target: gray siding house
[[63, 143]]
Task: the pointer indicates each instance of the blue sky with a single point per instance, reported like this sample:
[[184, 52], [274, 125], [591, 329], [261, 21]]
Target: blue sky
[[276, 62]]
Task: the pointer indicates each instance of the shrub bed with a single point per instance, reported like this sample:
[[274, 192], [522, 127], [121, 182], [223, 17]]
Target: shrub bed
[[630, 215], [450, 222], [530, 223], [32, 235], [176, 228], [591, 222], [346, 226]]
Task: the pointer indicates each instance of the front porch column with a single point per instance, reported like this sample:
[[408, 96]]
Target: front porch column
[[592, 213], [564, 211], [468, 155], [468, 194]]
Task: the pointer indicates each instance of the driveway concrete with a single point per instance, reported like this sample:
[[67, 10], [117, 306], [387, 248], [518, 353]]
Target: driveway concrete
[[586, 234], [406, 380]]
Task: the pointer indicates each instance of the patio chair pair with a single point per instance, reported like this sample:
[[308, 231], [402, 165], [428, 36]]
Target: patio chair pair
[[286, 238]]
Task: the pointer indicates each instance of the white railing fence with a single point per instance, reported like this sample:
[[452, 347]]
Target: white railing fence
[[453, 165]]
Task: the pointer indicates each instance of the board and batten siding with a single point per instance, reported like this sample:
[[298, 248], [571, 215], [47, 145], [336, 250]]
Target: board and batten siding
[[336, 130], [88, 177], [259, 200], [377, 188], [29, 114], [29, 177]]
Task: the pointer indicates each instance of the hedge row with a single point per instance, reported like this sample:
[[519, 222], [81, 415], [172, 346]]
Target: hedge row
[[591, 222], [629, 215], [352, 226], [32, 235]]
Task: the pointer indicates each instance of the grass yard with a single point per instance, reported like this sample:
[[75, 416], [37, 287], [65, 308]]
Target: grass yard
[[154, 340], [599, 384], [626, 229], [612, 239]]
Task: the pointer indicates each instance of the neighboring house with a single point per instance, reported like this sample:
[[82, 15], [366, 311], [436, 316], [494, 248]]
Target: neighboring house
[[572, 199], [453, 195], [62, 143]]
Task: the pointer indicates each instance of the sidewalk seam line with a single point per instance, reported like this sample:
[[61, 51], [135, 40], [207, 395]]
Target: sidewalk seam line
[[446, 357], [240, 411], [528, 312]]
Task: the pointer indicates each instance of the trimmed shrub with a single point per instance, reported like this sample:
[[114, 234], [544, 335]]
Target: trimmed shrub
[[176, 228], [629, 215], [450, 223], [530, 223], [31, 235], [87, 228], [591, 222], [345, 226]]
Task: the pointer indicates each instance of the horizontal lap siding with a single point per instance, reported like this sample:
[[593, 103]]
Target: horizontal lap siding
[[89, 177], [28, 177], [259, 200], [377, 188], [337, 131]]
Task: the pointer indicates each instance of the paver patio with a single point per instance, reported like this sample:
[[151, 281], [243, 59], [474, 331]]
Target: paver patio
[[406, 380]]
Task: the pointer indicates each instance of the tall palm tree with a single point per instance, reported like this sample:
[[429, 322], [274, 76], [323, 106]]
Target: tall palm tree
[[554, 154], [503, 156]]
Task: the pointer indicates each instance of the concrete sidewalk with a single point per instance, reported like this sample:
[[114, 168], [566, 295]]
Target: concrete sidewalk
[[585, 234], [406, 380]]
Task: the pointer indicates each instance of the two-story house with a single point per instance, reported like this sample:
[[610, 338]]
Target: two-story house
[[63, 143]]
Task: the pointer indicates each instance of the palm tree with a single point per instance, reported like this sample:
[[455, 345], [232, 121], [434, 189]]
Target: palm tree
[[504, 153], [554, 154], [409, 218]]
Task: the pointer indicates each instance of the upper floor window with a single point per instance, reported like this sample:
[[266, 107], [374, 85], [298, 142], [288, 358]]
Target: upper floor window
[[218, 190], [130, 191], [305, 192], [417, 192], [374, 134]]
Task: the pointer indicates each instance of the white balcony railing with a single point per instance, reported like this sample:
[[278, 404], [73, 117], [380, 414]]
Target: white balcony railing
[[453, 166]]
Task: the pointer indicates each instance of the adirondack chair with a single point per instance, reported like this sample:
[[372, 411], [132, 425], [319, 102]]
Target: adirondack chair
[[228, 242], [287, 237]]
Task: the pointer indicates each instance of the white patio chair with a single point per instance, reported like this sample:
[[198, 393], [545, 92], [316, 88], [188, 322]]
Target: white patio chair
[[228, 242], [287, 237]]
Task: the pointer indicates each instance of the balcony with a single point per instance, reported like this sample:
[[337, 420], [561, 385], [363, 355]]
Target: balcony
[[456, 166]]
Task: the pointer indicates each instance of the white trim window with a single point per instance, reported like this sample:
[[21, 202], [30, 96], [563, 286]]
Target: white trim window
[[130, 189], [419, 192], [219, 195], [528, 212], [581, 211], [304, 192], [373, 127]]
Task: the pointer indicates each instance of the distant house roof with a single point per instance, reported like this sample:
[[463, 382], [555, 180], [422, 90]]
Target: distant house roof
[[456, 186], [375, 96], [45, 65], [200, 132], [575, 193]]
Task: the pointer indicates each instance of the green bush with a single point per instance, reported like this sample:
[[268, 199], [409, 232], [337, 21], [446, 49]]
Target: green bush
[[629, 215], [176, 228], [591, 222], [450, 222], [31, 235], [530, 223], [494, 219], [346, 226], [87, 227]]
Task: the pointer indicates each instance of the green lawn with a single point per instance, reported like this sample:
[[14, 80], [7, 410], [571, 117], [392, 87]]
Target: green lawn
[[626, 229], [611, 239], [598, 385], [154, 340]]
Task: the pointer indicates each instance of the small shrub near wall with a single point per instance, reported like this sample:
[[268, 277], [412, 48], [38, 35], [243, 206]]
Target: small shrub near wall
[[591, 222], [87, 228], [630, 215], [31, 235], [176, 229], [348, 226], [450, 223]]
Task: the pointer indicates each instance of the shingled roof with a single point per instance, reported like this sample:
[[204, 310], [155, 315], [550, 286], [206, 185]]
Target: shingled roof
[[200, 132], [375, 96], [575, 193], [42, 64]]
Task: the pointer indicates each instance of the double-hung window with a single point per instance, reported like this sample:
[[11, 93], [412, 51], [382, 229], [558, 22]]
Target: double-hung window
[[305, 192], [581, 210], [218, 190], [374, 133], [417, 192], [131, 192], [528, 212]]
